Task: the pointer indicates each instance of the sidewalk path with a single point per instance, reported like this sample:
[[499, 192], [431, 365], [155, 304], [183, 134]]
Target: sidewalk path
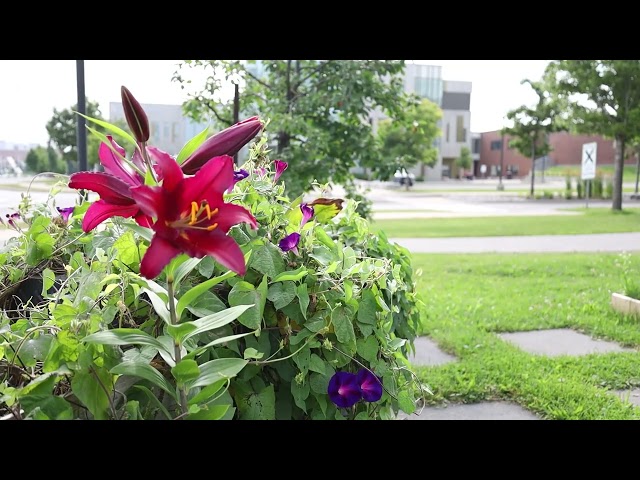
[[601, 242]]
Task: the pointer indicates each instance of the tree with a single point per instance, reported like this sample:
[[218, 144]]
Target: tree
[[464, 160], [62, 129], [531, 126], [601, 97], [318, 110], [409, 142], [37, 160]]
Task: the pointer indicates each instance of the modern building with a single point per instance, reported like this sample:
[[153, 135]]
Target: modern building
[[454, 98], [13, 156], [169, 128], [566, 149]]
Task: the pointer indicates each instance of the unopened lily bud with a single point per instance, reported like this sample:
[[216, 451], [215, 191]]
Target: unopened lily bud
[[135, 115], [227, 142]]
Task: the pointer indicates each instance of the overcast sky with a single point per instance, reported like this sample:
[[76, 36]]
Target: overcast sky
[[30, 89]]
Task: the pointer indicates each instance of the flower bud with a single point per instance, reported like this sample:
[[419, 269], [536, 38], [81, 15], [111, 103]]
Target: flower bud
[[136, 118], [227, 142]]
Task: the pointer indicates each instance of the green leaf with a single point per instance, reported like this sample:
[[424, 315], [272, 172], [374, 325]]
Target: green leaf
[[341, 318], [300, 393], [160, 306], [209, 412], [192, 145], [90, 388], [181, 330], [281, 294], [145, 371], [303, 298], [40, 248], [302, 360], [214, 370], [362, 416], [250, 353], [153, 400], [55, 408], [405, 402], [48, 279], [207, 392], [144, 232], [317, 364], [319, 383], [190, 295], [129, 251], [258, 406], [125, 336], [291, 275], [206, 267], [367, 308], [216, 320], [368, 349], [244, 293], [206, 304], [323, 255], [267, 260], [185, 267], [185, 371], [111, 128], [217, 341], [133, 410]]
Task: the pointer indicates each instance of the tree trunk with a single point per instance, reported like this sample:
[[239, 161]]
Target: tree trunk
[[617, 175], [637, 171], [533, 167]]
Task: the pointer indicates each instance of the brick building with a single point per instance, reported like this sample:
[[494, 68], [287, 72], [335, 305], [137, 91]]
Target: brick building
[[566, 149]]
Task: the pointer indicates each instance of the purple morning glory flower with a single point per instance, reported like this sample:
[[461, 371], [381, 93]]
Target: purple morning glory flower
[[280, 167], [307, 213], [240, 175], [65, 213], [370, 385], [290, 242], [344, 389]]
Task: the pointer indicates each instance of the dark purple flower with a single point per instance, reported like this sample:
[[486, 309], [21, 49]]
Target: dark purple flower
[[239, 175], [344, 389], [65, 213], [280, 167], [135, 115], [307, 213], [290, 242], [370, 385], [12, 220]]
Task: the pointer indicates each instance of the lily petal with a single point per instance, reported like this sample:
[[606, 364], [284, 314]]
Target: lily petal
[[211, 181], [114, 165], [230, 215], [149, 199], [171, 172], [102, 210], [157, 256], [216, 244], [110, 188]]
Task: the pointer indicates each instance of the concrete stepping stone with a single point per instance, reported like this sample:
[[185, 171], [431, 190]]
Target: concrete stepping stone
[[473, 411], [631, 396], [560, 341], [429, 354]]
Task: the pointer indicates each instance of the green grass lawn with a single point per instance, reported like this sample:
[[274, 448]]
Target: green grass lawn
[[628, 174], [593, 220], [470, 298]]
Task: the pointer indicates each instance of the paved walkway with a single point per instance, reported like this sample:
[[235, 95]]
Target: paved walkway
[[601, 242]]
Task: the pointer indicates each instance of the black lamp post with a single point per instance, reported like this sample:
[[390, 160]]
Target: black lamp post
[[82, 108]]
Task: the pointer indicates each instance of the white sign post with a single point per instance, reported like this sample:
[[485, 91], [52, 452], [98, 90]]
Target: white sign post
[[588, 173]]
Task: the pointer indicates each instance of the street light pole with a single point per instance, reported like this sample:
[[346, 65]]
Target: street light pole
[[81, 130], [500, 185], [236, 113]]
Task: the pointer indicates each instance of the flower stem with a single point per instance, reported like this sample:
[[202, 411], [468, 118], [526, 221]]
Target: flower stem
[[147, 160], [176, 345]]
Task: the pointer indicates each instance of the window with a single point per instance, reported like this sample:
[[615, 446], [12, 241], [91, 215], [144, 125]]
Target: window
[[175, 132], [461, 132], [448, 132], [166, 130], [496, 145], [475, 145]]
